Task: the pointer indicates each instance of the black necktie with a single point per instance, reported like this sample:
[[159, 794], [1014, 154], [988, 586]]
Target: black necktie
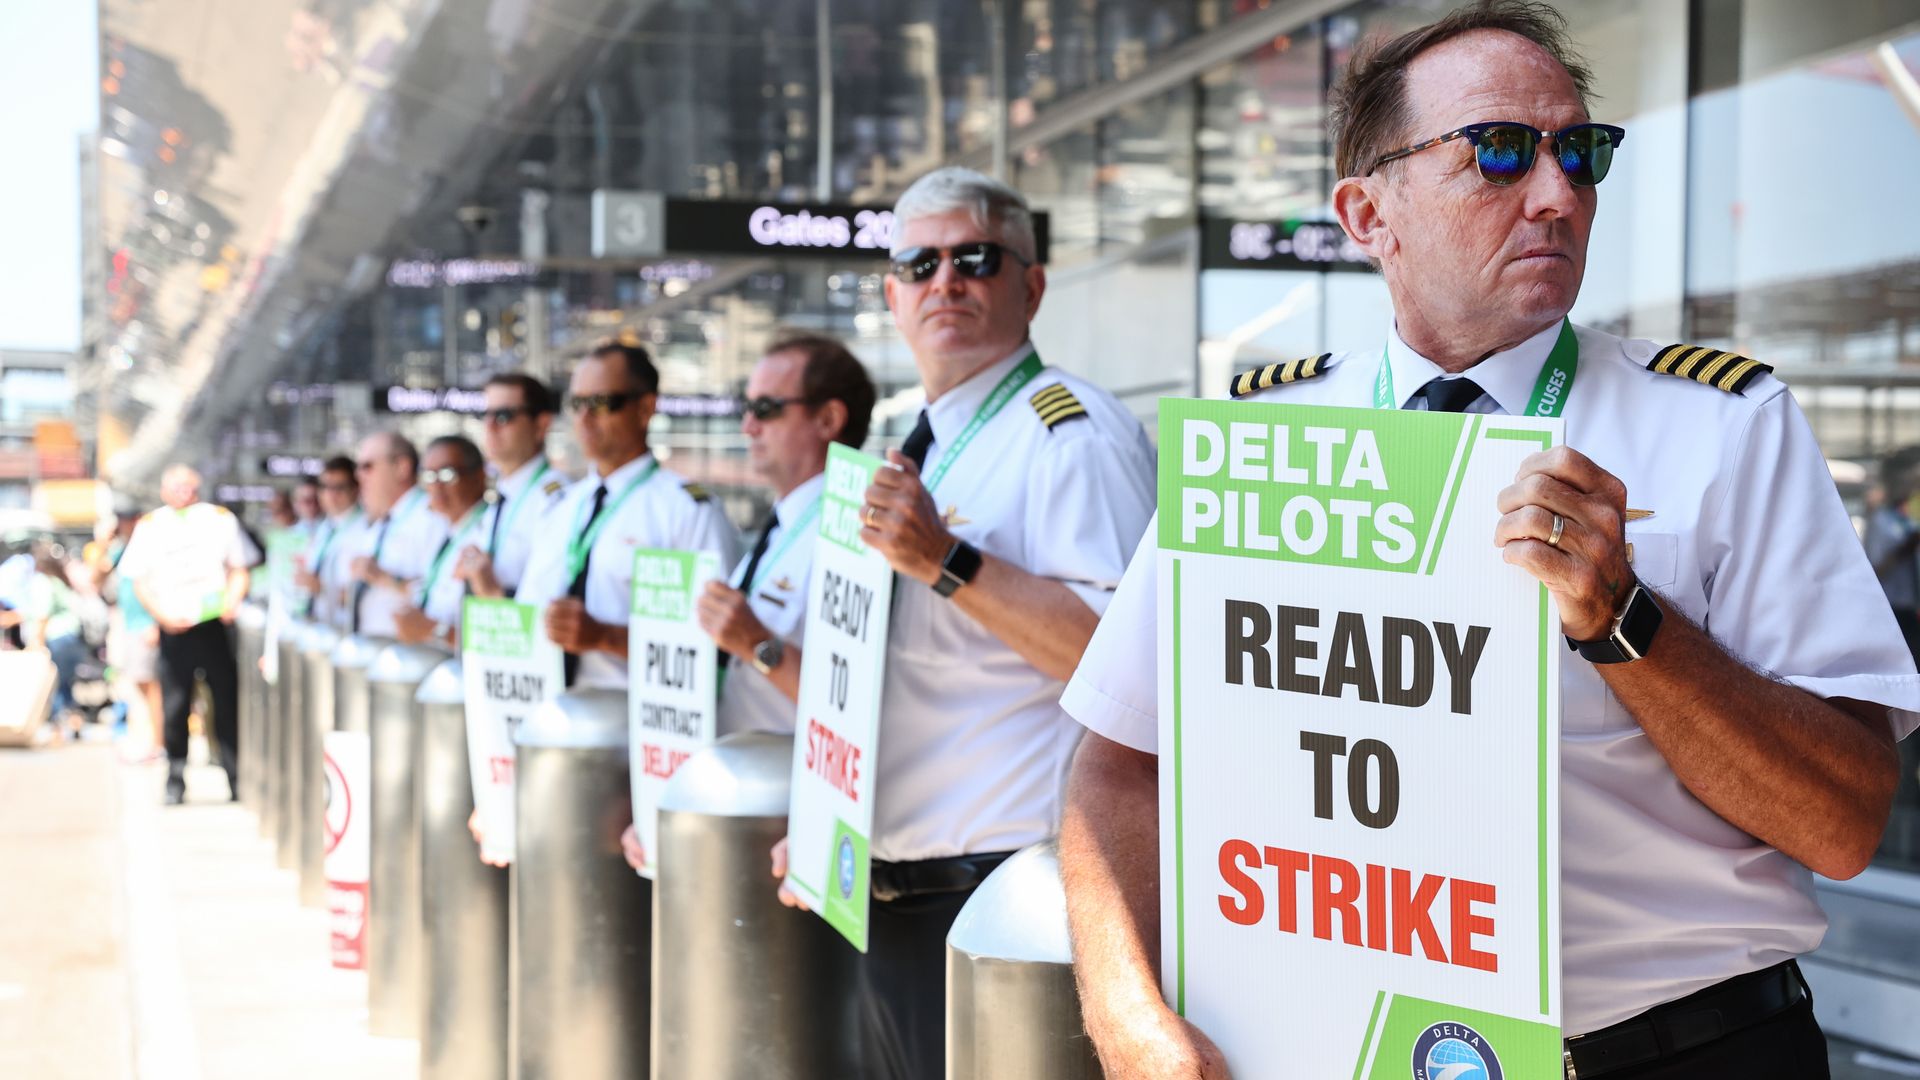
[[1451, 395], [578, 589], [759, 550], [360, 587], [918, 440]]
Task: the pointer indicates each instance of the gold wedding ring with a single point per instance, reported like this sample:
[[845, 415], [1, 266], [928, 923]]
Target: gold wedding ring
[[1559, 526], [866, 515]]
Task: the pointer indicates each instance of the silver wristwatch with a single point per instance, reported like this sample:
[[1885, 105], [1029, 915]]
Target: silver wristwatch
[[768, 654]]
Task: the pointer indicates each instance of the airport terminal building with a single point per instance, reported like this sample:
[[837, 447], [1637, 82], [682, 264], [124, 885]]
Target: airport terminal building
[[318, 217]]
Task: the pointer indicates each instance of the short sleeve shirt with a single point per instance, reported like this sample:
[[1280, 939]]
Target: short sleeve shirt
[[777, 596], [973, 744], [181, 558], [1660, 896], [663, 512], [438, 593]]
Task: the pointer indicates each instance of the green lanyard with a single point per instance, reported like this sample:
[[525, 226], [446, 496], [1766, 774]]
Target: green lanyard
[[1550, 390], [787, 538], [582, 542], [1010, 385], [514, 504], [446, 548]]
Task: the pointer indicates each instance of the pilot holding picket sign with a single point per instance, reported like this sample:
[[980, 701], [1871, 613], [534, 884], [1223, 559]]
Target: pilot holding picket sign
[[807, 393], [1730, 710]]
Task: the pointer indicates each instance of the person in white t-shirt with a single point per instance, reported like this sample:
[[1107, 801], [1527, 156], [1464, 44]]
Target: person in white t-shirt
[[188, 563]]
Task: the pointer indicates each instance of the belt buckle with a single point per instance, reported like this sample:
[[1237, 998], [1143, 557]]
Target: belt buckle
[[1566, 1056]]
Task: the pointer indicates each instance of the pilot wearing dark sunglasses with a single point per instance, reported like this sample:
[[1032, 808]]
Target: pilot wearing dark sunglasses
[[1009, 514], [1704, 777]]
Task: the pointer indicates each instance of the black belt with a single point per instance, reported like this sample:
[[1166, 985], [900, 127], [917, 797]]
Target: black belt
[[929, 877], [1692, 1021]]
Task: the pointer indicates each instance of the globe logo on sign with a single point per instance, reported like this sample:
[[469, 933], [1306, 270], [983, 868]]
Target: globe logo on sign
[[1454, 1051], [845, 865]]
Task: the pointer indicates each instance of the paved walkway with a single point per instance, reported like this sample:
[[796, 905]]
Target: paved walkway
[[151, 944]]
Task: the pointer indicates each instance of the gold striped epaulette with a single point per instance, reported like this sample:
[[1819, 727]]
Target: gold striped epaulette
[[699, 492], [554, 486], [1056, 405], [1724, 370], [1260, 378]]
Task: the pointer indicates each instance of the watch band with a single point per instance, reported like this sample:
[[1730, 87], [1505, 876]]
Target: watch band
[[767, 655], [958, 568], [1631, 635]]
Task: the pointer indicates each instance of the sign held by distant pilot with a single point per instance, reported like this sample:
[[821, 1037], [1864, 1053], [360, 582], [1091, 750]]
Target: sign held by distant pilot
[[509, 669], [673, 672], [1360, 806]]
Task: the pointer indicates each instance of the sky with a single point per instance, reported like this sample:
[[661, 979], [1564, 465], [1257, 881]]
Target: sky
[[49, 94]]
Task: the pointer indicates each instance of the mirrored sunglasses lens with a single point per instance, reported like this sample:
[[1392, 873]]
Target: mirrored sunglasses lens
[[916, 264], [977, 260], [1504, 153], [1586, 155]]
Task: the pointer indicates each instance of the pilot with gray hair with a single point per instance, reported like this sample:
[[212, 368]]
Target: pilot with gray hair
[[1009, 515]]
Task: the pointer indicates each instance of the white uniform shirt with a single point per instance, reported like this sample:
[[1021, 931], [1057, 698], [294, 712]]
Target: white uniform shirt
[[527, 498], [661, 513], [438, 593], [973, 744], [1660, 896], [402, 543], [748, 701], [181, 558], [323, 549]]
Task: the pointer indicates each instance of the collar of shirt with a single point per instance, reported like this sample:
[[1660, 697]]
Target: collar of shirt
[[511, 485], [956, 408], [1506, 377], [617, 480], [794, 503]]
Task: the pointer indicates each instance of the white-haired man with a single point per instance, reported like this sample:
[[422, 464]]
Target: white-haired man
[[1009, 515], [188, 563]]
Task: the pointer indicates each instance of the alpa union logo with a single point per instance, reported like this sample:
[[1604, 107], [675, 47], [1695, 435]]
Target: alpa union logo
[[845, 863]]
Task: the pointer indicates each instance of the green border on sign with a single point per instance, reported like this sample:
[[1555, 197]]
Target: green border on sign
[[1470, 437], [1179, 818]]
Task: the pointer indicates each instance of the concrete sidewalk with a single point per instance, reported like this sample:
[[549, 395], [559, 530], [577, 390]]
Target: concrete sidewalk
[[159, 944]]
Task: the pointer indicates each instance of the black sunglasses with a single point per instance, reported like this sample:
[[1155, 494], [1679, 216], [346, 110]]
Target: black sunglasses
[[1504, 151], [602, 404], [766, 408], [498, 417], [976, 260]]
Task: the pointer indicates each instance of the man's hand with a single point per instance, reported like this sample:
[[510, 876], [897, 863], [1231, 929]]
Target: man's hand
[[630, 846], [570, 627], [723, 613], [412, 626], [480, 839], [1161, 1045], [306, 581], [787, 896], [363, 568], [475, 567], [1587, 571], [900, 521]]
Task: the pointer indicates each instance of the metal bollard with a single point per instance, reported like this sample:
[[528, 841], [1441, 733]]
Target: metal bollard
[[267, 760], [752, 980], [393, 881], [463, 949], [250, 631], [315, 660], [290, 752], [581, 945], [1012, 1009]]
